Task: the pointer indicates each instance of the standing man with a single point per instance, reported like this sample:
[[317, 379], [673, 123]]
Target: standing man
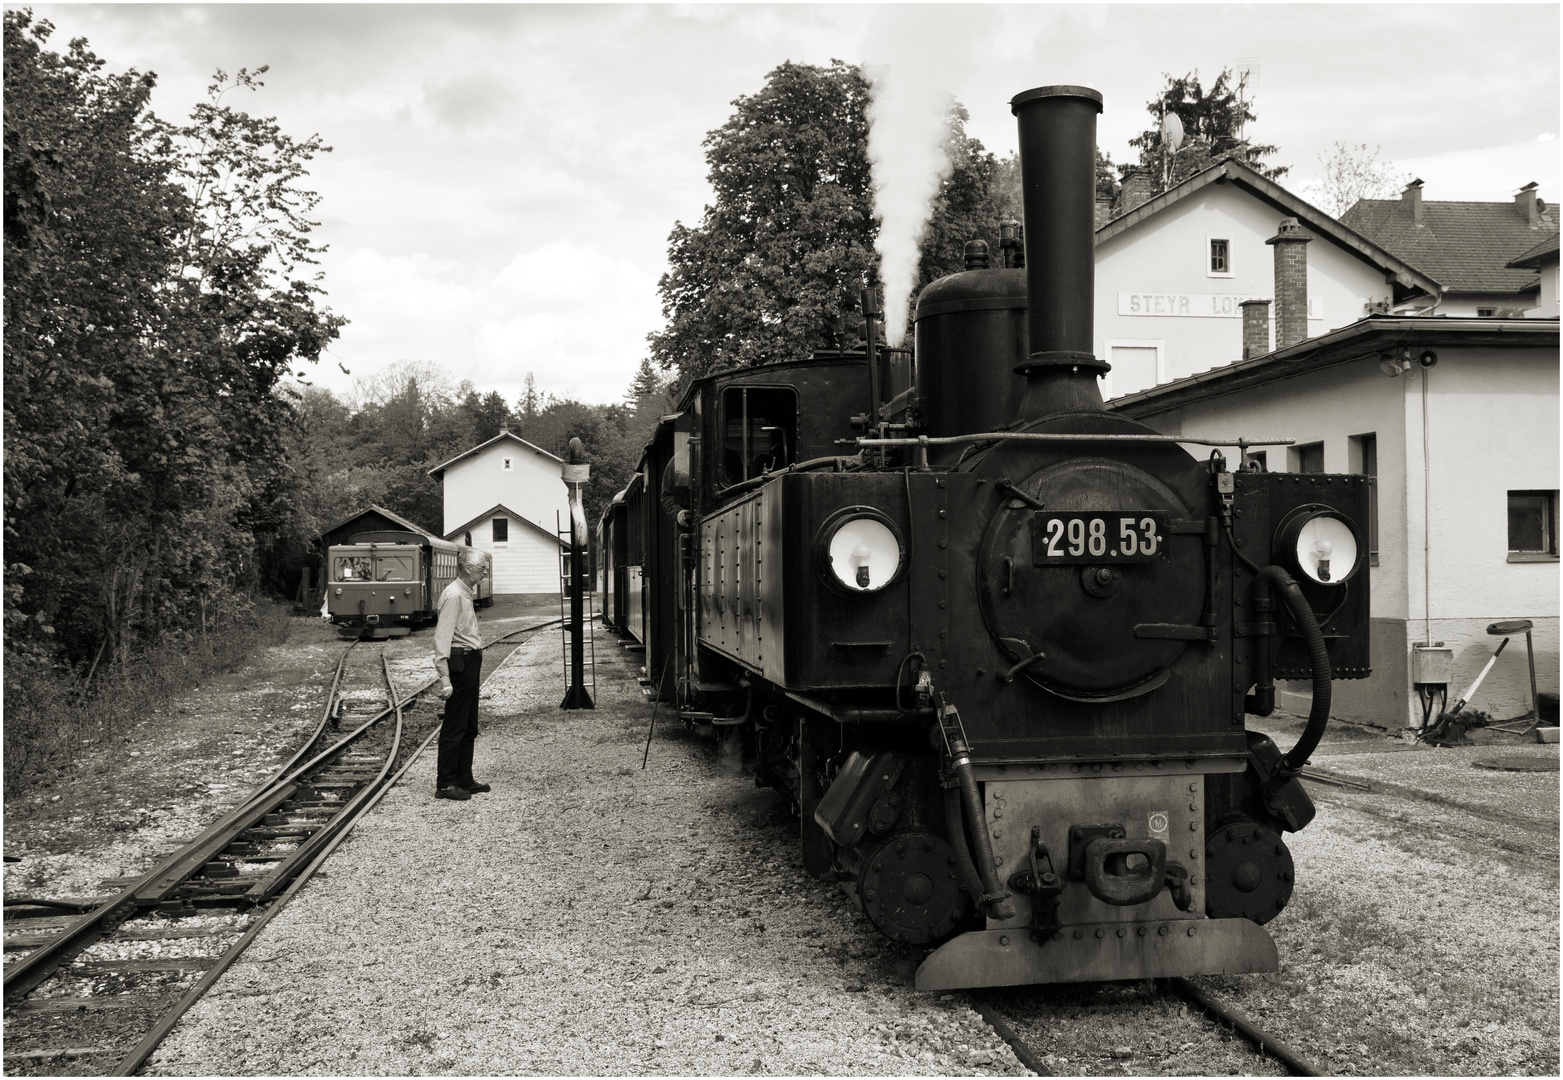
[[458, 657]]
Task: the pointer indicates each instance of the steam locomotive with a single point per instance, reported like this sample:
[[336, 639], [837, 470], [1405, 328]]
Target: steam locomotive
[[996, 641]]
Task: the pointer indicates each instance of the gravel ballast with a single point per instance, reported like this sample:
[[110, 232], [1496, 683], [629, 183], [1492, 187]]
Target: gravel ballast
[[583, 918], [590, 918]]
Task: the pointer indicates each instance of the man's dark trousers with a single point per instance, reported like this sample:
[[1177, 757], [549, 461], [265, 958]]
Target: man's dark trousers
[[461, 724]]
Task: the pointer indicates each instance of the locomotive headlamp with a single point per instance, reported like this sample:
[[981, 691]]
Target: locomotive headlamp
[[1319, 543], [861, 551]]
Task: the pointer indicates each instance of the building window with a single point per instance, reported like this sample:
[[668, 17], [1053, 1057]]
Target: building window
[[1220, 261], [1486, 312], [1364, 455], [1308, 458], [505, 464], [468, 538], [1533, 526], [501, 530]]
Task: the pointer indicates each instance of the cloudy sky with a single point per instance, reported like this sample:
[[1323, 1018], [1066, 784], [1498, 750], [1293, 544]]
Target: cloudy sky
[[504, 177]]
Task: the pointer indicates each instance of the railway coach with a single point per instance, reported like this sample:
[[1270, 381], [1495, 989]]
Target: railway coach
[[997, 643], [387, 584]]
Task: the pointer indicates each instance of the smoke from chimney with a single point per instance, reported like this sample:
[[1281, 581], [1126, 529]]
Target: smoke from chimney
[[906, 136]]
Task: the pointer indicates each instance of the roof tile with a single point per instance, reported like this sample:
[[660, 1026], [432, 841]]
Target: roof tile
[[1464, 245]]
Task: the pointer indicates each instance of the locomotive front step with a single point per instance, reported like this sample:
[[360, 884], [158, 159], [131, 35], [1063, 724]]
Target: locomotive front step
[[1095, 952]]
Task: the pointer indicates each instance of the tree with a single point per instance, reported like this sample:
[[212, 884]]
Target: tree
[[780, 252], [1214, 128], [1352, 173], [156, 292], [980, 192]]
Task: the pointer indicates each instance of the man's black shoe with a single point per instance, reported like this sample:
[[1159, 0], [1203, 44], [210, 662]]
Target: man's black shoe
[[477, 788], [453, 792]]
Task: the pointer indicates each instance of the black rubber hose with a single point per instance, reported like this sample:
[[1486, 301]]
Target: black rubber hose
[[955, 825], [998, 904], [1292, 762]]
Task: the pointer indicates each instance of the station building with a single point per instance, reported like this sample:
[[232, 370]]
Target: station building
[[1173, 273], [505, 497]]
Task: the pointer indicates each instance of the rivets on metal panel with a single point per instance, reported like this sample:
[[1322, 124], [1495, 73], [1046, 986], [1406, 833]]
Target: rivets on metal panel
[[1194, 806], [1231, 834], [944, 543], [1193, 852], [1122, 932], [1193, 930], [1162, 930], [1100, 932], [1117, 767], [1141, 931], [1193, 826], [1003, 941], [1079, 934], [1193, 787], [1097, 767], [872, 895]]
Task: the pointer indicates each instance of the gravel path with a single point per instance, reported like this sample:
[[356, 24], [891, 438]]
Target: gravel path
[[584, 918]]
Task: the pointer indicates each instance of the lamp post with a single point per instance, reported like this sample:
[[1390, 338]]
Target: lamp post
[[575, 473]]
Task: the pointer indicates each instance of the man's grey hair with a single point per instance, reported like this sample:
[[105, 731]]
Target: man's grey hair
[[471, 559]]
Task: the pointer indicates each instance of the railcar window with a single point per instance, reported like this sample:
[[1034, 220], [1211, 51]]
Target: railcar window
[[760, 431], [351, 568], [393, 568]]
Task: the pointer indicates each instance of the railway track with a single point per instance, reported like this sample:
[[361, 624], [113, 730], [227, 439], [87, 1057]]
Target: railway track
[[1130, 1044], [103, 980]]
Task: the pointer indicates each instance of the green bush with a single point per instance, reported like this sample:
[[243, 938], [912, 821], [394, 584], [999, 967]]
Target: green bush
[[50, 712]]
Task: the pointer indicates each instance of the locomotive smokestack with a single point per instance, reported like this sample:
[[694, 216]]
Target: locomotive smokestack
[[1058, 192]]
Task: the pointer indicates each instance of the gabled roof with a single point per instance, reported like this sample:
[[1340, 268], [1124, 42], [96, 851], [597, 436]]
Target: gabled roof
[[1538, 256], [383, 512], [1362, 339], [501, 508], [1407, 278], [439, 469], [1465, 245]]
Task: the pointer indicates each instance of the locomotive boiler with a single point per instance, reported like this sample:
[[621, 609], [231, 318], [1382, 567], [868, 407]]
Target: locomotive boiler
[[997, 642]]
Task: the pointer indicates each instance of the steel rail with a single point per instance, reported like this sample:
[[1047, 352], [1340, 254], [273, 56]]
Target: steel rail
[[1001, 1027], [143, 1050], [26, 973], [1265, 1043]]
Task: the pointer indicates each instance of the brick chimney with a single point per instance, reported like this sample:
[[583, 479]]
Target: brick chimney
[[1256, 328], [1412, 197], [1291, 282], [1136, 191], [1529, 205], [1104, 211]]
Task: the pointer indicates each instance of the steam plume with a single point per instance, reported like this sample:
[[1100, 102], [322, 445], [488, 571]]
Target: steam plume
[[906, 138]]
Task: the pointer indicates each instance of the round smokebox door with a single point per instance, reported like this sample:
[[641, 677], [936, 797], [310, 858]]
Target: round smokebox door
[[1112, 549]]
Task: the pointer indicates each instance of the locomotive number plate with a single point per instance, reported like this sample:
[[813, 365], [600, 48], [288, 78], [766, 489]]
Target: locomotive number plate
[[1117, 536]]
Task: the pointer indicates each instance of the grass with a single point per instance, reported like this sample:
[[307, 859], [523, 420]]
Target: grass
[[50, 715]]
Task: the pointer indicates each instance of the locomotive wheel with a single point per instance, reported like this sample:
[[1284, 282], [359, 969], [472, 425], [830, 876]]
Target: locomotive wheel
[[909, 888], [1248, 873]]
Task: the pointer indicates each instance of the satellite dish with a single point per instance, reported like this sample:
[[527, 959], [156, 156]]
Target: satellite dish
[[1172, 130]]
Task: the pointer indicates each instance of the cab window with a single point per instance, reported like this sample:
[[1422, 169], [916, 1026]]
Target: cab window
[[760, 431], [393, 568]]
